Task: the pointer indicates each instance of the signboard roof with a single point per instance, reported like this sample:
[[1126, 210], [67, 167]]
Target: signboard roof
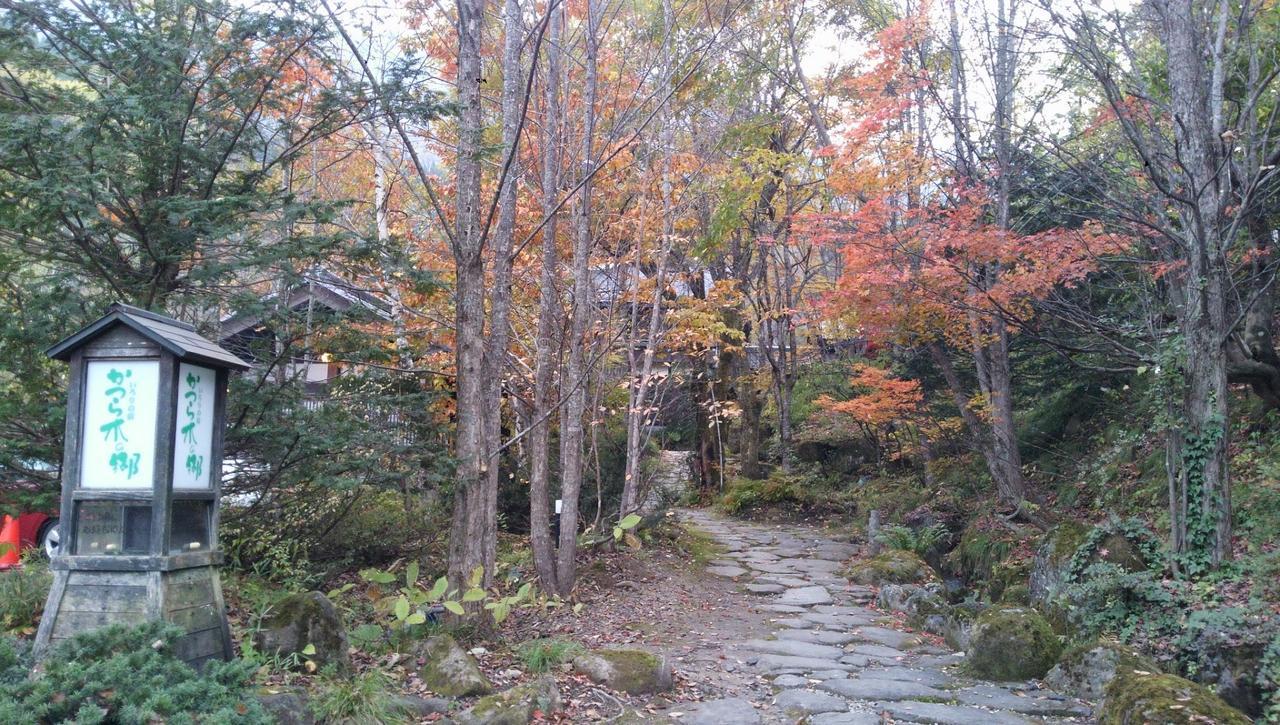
[[173, 335]]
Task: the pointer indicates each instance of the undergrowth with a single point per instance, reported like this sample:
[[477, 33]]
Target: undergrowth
[[540, 655]]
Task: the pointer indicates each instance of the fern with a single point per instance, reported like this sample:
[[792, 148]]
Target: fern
[[918, 541]]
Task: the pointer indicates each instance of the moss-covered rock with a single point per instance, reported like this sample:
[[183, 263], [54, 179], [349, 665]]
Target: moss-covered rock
[[1053, 555], [448, 669], [1018, 594], [516, 706], [633, 671], [1086, 669], [1012, 643], [304, 620], [1144, 696], [892, 566]]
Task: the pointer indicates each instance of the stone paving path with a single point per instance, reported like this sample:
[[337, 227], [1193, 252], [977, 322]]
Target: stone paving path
[[835, 661]]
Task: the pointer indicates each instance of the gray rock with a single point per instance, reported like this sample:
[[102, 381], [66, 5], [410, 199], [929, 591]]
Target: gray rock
[[799, 702], [633, 671], [781, 608], [793, 648], [289, 707], [304, 619], [818, 636], [795, 623], [757, 588], [1028, 703], [515, 706], [420, 706], [888, 637], [1086, 672], [932, 678], [932, 712], [841, 621], [860, 689], [805, 596], [790, 681], [875, 650], [729, 711], [728, 572], [773, 663], [448, 669], [830, 675], [845, 718]]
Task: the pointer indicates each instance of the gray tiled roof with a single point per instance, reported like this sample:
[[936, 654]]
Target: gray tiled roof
[[173, 335]]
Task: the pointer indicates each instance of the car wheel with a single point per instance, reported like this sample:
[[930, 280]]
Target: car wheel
[[50, 538]]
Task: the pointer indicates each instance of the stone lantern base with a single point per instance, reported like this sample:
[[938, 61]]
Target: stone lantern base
[[190, 599]]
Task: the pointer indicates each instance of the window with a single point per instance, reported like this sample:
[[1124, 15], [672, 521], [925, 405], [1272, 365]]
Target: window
[[189, 527]]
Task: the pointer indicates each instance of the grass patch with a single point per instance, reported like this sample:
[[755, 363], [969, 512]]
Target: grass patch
[[540, 655], [363, 699], [23, 592]]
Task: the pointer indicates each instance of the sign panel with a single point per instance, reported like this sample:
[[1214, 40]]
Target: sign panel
[[193, 439], [118, 440]]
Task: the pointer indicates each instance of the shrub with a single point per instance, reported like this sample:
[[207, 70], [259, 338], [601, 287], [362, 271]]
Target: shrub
[[745, 494], [918, 541], [362, 699], [22, 594], [127, 675], [540, 655]]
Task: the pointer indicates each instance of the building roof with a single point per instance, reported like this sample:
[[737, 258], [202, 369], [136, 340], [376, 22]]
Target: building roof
[[175, 336], [320, 285]]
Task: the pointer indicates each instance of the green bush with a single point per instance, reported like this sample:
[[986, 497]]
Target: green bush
[[22, 594], [745, 494], [540, 655], [127, 675], [918, 541]]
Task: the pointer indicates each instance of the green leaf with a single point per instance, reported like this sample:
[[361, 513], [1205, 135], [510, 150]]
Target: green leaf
[[439, 588], [411, 573], [309, 650], [523, 594], [617, 533], [402, 608], [473, 595], [377, 576], [630, 521], [454, 607], [500, 612], [416, 618], [477, 576], [366, 633], [577, 608]]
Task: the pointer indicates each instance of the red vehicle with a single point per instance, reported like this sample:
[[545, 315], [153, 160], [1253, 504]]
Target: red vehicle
[[34, 530]]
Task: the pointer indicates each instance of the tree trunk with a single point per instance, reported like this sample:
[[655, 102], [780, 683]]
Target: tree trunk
[[472, 530], [1196, 100], [546, 354], [571, 430]]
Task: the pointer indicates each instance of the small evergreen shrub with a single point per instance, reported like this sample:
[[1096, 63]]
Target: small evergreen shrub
[[540, 655], [127, 675], [745, 495]]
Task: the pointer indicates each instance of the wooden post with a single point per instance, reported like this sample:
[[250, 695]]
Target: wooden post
[[873, 532]]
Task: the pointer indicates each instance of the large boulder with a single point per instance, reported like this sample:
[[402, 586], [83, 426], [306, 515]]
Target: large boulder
[[1225, 650], [633, 671], [1053, 555], [287, 706], [517, 706], [449, 670], [1085, 670], [1139, 697], [307, 625], [892, 566], [1012, 643]]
